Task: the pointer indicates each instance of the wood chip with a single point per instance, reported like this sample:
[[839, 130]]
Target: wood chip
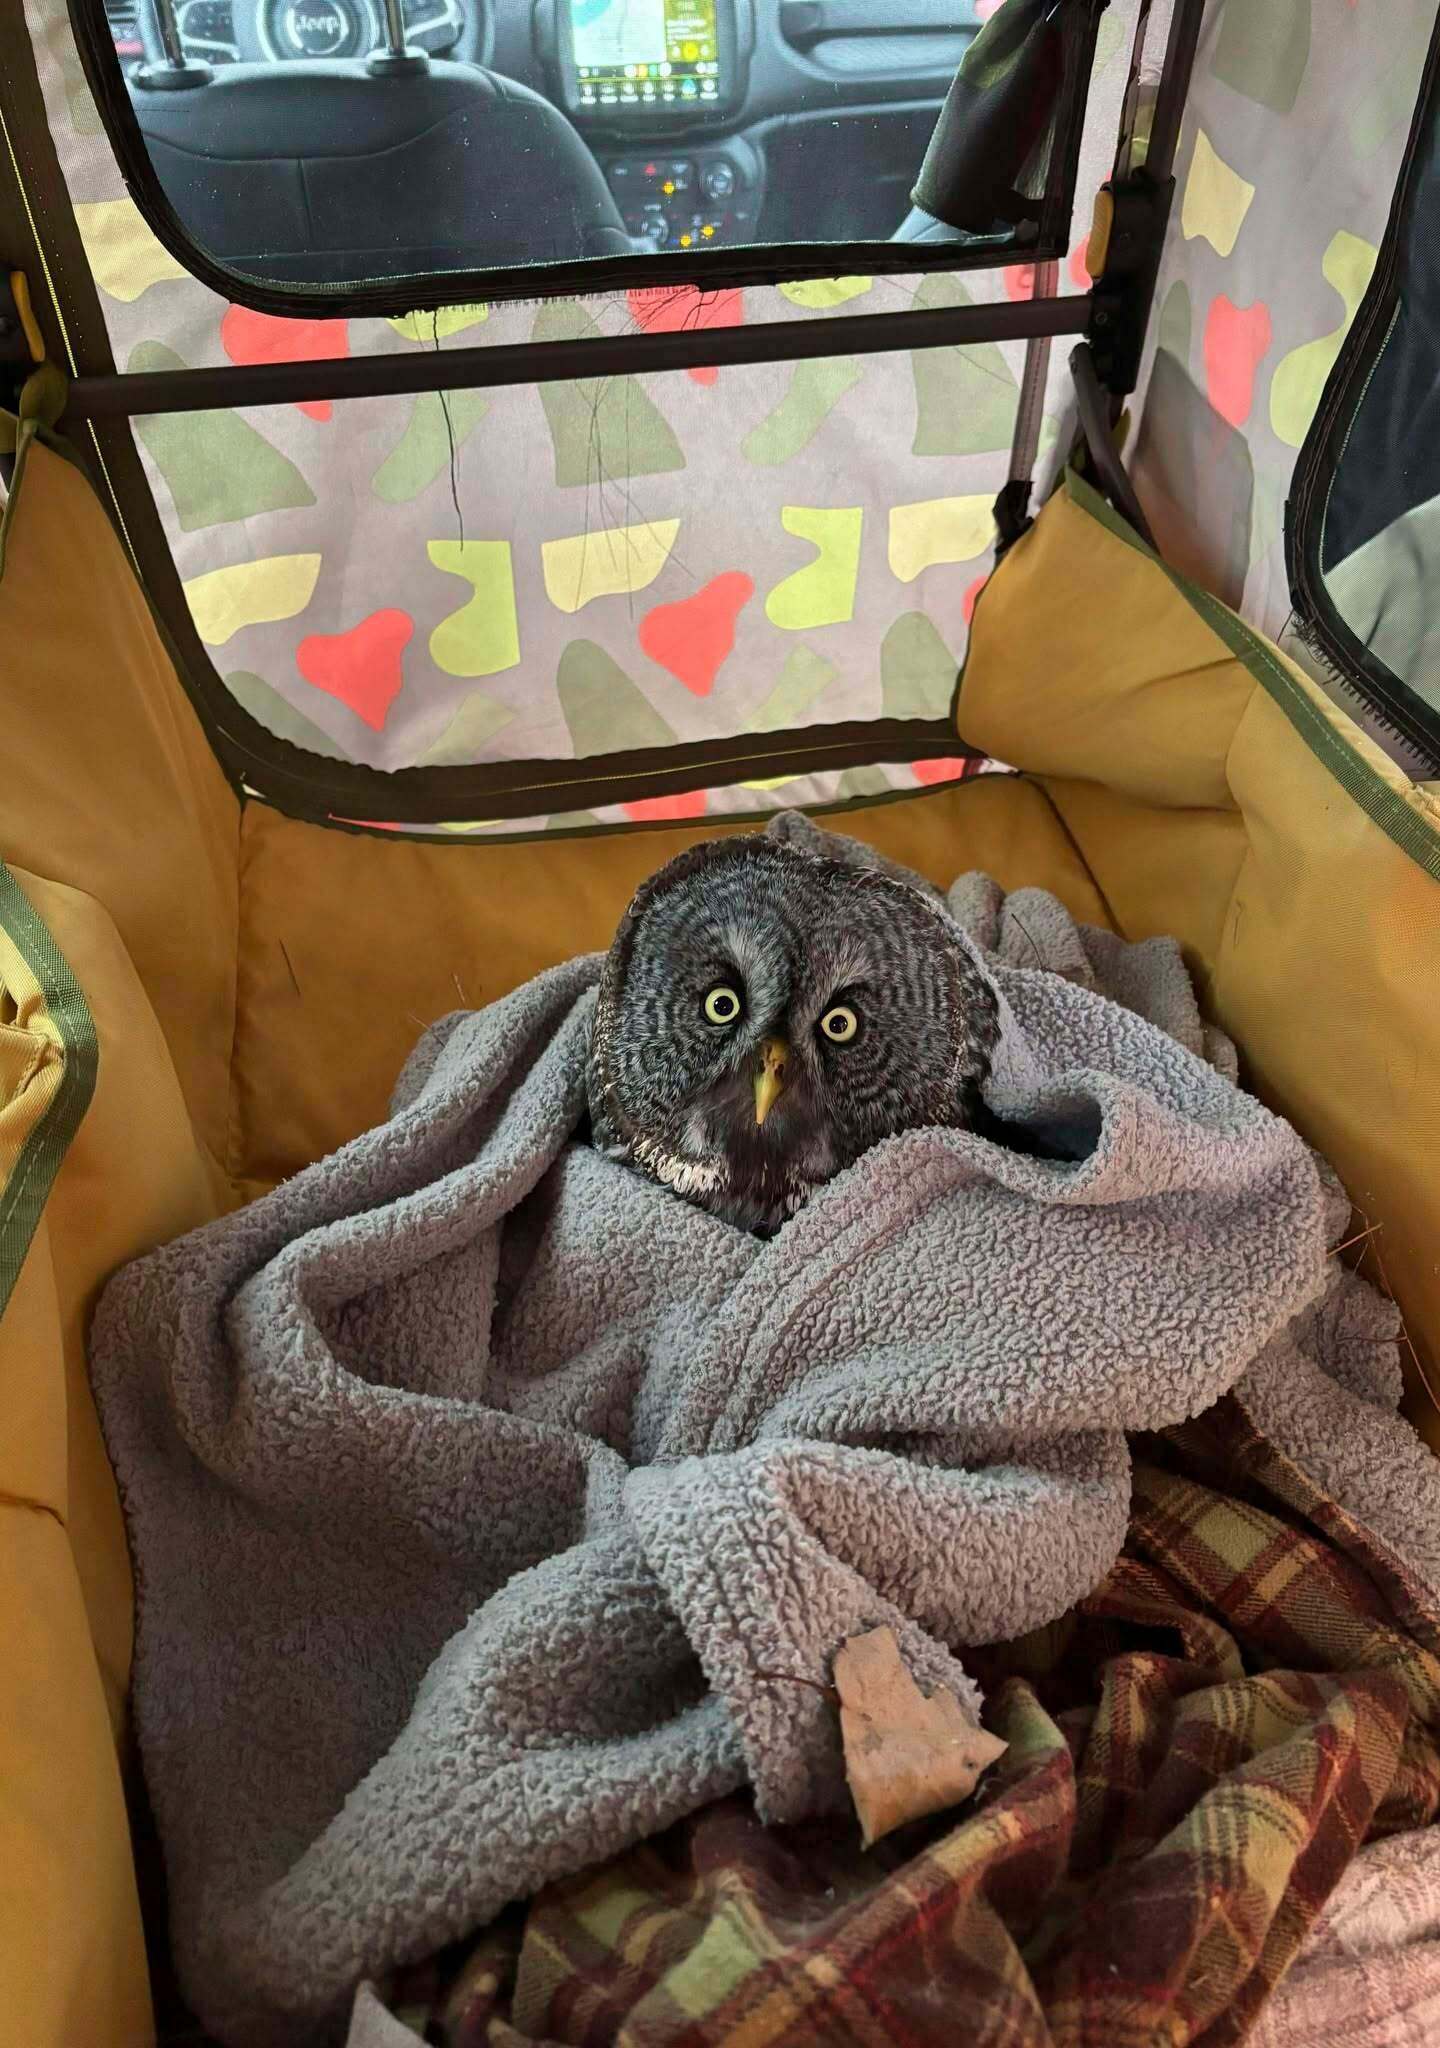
[[905, 1756]]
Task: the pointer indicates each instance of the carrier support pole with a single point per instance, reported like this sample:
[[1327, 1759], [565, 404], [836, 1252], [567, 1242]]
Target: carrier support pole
[[1132, 215], [484, 369]]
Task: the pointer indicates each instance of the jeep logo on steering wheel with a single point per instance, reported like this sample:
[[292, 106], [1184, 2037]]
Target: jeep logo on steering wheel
[[316, 30]]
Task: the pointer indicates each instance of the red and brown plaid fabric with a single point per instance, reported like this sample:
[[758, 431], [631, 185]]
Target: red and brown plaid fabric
[[1195, 1756]]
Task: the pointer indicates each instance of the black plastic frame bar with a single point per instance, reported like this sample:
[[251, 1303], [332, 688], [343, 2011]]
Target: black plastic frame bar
[[1174, 90], [466, 369], [1094, 405]]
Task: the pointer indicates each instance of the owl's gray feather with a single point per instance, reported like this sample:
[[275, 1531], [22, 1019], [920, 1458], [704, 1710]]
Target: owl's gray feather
[[799, 936]]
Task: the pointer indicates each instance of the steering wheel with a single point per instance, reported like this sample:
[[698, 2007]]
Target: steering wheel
[[290, 31]]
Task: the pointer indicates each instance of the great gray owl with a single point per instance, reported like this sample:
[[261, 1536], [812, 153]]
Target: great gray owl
[[767, 1014]]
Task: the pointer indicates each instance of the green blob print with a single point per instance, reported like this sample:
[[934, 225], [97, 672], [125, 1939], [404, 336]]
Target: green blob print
[[279, 716], [468, 735], [804, 677], [217, 467], [965, 398], [862, 782], [604, 428], [603, 708], [1263, 50], [815, 390], [1175, 323], [917, 669], [423, 451]]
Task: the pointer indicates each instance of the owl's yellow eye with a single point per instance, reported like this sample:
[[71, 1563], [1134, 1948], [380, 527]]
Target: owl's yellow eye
[[723, 1005], [840, 1024]]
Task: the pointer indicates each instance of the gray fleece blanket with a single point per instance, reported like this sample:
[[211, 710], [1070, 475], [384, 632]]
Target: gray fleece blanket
[[490, 1506]]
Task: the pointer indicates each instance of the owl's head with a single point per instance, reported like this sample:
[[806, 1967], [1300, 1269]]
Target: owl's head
[[766, 1015]]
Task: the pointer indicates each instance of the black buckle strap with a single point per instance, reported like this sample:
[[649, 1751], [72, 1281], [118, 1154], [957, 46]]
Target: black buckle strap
[[1131, 214]]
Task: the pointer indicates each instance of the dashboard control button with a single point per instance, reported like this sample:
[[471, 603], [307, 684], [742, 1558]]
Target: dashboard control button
[[717, 180]]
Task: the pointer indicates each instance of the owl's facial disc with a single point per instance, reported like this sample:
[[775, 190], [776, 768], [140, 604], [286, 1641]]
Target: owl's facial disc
[[767, 1016]]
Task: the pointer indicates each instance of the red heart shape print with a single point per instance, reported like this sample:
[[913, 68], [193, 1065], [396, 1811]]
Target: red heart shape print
[[364, 668], [248, 337], [694, 638]]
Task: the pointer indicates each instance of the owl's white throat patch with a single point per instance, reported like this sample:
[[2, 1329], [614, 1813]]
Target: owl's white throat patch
[[685, 1176]]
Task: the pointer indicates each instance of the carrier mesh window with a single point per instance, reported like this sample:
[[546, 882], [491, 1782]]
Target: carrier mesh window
[[316, 147], [738, 586], [1366, 513]]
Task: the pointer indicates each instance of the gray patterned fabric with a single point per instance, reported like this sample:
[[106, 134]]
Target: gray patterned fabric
[[488, 1502]]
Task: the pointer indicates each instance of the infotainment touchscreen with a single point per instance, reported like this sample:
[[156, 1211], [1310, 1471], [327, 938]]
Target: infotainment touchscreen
[[647, 54]]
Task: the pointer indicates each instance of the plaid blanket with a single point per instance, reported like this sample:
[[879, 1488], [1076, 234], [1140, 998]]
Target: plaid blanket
[[1196, 1754]]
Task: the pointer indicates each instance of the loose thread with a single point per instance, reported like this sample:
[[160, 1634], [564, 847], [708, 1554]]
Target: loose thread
[[793, 1678], [1358, 1238]]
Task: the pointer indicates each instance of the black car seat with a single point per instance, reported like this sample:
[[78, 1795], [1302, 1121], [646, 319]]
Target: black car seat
[[322, 172]]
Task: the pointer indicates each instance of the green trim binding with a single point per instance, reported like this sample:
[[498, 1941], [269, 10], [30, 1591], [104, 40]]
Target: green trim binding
[[25, 1193], [1380, 803]]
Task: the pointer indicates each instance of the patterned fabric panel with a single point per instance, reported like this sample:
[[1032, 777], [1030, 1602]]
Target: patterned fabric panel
[[1289, 157], [577, 569]]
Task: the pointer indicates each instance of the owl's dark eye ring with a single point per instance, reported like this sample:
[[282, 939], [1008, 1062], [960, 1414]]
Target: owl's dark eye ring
[[723, 1006], [840, 1025]]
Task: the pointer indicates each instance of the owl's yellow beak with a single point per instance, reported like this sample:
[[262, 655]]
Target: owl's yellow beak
[[770, 1076]]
